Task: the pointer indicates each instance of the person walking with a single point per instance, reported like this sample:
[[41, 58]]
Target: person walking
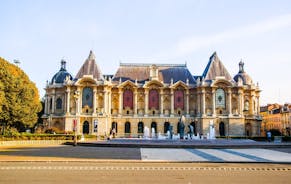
[[269, 136]]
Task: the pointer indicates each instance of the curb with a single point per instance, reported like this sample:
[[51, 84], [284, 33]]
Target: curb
[[195, 146]]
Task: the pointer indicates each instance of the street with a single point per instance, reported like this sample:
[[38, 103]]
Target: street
[[133, 172]]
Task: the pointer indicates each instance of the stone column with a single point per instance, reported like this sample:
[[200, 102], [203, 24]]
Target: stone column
[[120, 92], [53, 103], [78, 101], [213, 102], [258, 105], [135, 102], [46, 105], [198, 103], [105, 101], [68, 99], [187, 102], [172, 102], [94, 100], [203, 102], [251, 102], [146, 92], [109, 103], [229, 102], [240, 103], [161, 102]]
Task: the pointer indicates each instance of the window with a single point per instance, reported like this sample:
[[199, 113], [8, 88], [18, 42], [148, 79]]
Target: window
[[51, 104], [114, 126], [166, 127], [154, 99], [127, 128], [179, 99], [140, 127], [154, 125], [220, 98], [127, 99], [87, 97]]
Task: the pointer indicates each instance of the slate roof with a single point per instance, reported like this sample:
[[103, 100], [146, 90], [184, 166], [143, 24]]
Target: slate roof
[[141, 72], [61, 75], [215, 68], [246, 79], [90, 68]]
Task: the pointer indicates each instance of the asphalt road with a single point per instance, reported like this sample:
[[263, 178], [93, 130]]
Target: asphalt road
[[114, 172]]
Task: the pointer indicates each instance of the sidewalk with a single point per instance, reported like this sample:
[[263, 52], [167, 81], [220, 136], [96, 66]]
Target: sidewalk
[[205, 144]]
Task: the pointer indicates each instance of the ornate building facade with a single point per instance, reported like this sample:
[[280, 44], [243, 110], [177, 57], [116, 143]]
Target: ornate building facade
[[153, 96]]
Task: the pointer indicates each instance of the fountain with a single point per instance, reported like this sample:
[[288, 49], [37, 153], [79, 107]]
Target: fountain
[[153, 133], [146, 132], [211, 134]]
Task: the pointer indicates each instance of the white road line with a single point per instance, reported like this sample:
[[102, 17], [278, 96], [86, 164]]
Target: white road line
[[275, 156], [154, 154], [225, 156]]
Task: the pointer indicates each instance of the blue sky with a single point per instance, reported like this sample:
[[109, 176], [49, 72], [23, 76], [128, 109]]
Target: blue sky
[[39, 33]]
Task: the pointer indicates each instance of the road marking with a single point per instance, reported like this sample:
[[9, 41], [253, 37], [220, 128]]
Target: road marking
[[154, 154], [204, 154], [251, 157], [269, 155], [135, 168], [214, 155]]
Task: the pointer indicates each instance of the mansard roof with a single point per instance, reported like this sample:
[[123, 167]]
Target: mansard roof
[[215, 68], [90, 68], [141, 72]]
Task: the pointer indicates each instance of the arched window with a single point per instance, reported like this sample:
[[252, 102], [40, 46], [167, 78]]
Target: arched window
[[114, 126], [221, 129], [51, 104], [194, 128], [127, 128], [127, 99], [59, 103], [179, 99], [154, 125], [154, 99], [166, 127], [140, 127], [220, 98], [87, 97]]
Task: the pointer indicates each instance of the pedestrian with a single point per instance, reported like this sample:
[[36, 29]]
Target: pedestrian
[[113, 132], [269, 136]]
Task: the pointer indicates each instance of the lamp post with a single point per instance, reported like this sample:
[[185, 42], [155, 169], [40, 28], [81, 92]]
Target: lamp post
[[76, 96]]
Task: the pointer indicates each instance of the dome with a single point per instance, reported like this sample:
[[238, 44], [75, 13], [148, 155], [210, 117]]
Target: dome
[[61, 75], [246, 79]]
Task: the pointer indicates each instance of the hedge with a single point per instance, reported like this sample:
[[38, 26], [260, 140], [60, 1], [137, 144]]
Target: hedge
[[28, 136]]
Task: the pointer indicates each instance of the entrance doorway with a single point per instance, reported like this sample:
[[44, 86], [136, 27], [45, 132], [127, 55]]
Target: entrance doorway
[[248, 129], [86, 127], [221, 129]]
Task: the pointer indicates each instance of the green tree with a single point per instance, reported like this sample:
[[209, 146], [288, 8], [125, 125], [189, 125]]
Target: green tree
[[19, 98]]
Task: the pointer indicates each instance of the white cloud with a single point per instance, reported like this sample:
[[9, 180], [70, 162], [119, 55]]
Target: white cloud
[[193, 43]]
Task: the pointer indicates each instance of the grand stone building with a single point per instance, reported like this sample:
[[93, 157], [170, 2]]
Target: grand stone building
[[154, 96]]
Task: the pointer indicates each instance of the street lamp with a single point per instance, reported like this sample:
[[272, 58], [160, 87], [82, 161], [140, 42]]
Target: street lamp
[[76, 96]]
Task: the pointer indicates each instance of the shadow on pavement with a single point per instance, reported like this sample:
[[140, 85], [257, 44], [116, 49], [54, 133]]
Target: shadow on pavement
[[71, 152]]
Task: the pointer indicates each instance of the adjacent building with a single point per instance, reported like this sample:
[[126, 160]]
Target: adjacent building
[[276, 117], [156, 96]]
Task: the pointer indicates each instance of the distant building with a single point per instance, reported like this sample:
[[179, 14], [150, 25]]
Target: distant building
[[276, 117], [143, 95]]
